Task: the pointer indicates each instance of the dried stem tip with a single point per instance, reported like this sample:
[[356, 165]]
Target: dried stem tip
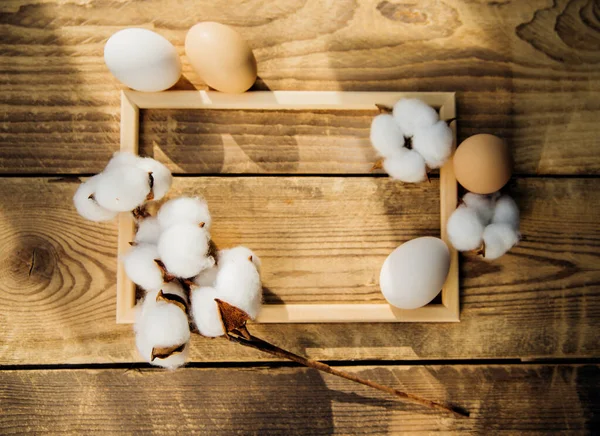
[[377, 165], [384, 109]]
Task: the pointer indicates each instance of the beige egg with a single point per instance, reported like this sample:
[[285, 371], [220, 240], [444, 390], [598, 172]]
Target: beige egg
[[482, 163], [221, 57]]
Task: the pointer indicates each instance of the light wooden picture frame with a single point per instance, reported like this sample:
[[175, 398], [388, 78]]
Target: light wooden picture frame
[[446, 311]]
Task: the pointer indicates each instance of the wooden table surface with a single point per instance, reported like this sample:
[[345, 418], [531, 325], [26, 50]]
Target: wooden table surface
[[296, 188]]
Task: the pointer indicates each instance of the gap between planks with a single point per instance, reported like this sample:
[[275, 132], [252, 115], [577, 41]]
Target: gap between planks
[[567, 361]]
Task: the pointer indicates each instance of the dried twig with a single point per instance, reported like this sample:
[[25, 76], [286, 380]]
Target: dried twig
[[234, 323]]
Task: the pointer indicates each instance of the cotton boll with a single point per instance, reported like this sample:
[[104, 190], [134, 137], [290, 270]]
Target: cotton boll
[[408, 166], [122, 159], [141, 268], [386, 136], [238, 255], [465, 229], [412, 114], [183, 248], [191, 210], [498, 239], [206, 277], [162, 324], [506, 212], [482, 204], [434, 143], [148, 231], [123, 188], [238, 279], [161, 176], [205, 311], [88, 207]]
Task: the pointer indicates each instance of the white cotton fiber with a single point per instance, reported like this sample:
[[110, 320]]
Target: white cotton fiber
[[205, 311], [482, 204], [148, 231], [88, 207], [162, 324], [506, 212], [238, 279], [407, 166], [161, 175], [141, 268], [465, 229], [183, 248], [434, 143], [122, 159], [123, 188], [412, 114], [386, 136], [207, 277], [498, 239], [191, 210]]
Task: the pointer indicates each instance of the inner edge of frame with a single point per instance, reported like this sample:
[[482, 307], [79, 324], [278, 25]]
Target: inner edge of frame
[[290, 313]]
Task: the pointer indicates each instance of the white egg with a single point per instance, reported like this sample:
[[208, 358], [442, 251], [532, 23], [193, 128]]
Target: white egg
[[143, 60], [415, 272]]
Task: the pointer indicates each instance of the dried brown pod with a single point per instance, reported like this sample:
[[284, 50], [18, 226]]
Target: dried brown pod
[[233, 319], [384, 109], [140, 212], [150, 195], [172, 299], [480, 251], [164, 352], [377, 165], [167, 277]]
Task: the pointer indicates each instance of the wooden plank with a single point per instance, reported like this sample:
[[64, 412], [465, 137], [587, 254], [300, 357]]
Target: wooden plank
[[526, 71], [536, 399], [57, 271]]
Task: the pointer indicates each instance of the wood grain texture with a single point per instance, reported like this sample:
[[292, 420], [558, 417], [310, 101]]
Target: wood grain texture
[[212, 141], [526, 71], [321, 239], [296, 401]]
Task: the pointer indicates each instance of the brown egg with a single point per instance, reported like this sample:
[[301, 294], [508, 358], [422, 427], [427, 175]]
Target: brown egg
[[221, 57], [482, 163]]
